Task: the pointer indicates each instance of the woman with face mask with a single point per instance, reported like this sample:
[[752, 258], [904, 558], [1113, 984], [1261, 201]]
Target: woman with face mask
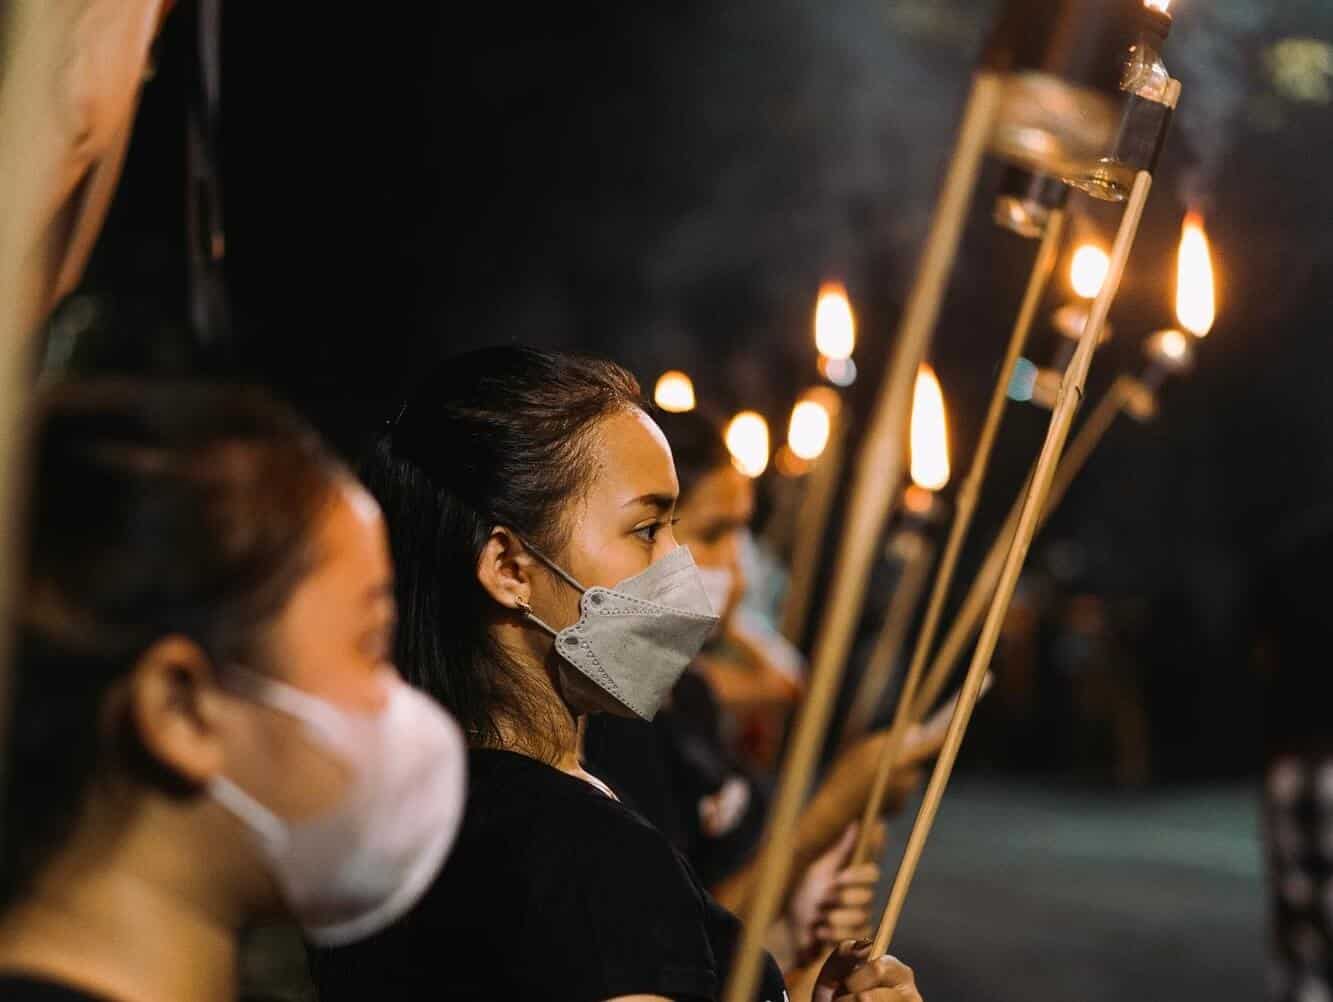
[[206, 728], [530, 502]]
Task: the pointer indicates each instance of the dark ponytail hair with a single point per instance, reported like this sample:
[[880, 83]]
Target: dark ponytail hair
[[500, 436], [154, 510]]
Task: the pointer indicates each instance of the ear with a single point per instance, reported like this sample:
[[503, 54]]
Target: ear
[[174, 703], [505, 568]]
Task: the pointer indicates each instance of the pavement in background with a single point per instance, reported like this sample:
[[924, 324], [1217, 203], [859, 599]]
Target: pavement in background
[[1032, 894]]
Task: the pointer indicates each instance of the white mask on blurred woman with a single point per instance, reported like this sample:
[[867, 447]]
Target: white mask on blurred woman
[[350, 871]]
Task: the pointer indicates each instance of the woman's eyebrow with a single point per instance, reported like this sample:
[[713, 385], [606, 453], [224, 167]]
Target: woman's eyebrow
[[659, 501]]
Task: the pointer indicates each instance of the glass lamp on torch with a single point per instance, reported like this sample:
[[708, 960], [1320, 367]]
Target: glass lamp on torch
[[1149, 100], [1087, 98]]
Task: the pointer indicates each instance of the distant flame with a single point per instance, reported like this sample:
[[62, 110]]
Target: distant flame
[[929, 433], [674, 392], [747, 441], [1174, 345], [1196, 306], [835, 324], [808, 432], [1088, 270]]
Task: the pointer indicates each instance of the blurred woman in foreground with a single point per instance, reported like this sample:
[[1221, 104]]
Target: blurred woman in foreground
[[206, 726]]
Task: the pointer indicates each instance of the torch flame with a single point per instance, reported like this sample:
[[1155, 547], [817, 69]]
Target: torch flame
[[1196, 307], [1088, 270], [674, 392], [808, 432], [835, 324], [929, 432], [747, 441], [1174, 345]]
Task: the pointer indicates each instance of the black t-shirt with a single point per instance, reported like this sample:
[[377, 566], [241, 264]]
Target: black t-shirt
[[17, 988], [552, 891], [667, 769]]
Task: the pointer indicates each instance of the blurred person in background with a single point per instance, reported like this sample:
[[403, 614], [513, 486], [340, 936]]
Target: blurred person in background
[[206, 726], [531, 503], [684, 773], [1292, 624]]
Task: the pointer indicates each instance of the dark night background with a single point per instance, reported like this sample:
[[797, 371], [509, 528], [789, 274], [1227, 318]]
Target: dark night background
[[668, 185]]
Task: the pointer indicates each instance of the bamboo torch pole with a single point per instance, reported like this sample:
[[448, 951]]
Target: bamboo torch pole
[[968, 496], [879, 469], [916, 553], [1071, 392], [811, 521], [968, 620]]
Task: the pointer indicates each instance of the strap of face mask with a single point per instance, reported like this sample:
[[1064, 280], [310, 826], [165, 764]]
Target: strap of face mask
[[327, 721], [258, 818], [568, 578], [564, 575]]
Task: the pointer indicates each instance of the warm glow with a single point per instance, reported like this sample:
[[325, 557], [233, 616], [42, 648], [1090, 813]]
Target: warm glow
[[808, 432], [929, 433], [835, 326], [674, 392], [789, 464], [1174, 345], [1195, 303], [1161, 5], [747, 441], [1088, 270], [838, 371]]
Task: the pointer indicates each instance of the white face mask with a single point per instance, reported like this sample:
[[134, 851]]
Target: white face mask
[[351, 871], [718, 582], [636, 639]]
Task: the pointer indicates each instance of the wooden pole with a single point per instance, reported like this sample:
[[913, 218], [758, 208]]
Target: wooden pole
[[878, 475], [1062, 416], [968, 620], [968, 496], [811, 522], [915, 553]]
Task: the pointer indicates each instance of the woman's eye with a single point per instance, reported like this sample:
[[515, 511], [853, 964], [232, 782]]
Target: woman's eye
[[648, 533]]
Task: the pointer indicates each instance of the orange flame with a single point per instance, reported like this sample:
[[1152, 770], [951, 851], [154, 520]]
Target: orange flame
[[929, 432], [747, 441], [835, 324], [1087, 270], [1174, 345], [674, 392], [809, 428], [1196, 306], [1161, 5]]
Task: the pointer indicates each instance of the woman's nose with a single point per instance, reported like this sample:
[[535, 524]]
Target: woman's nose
[[666, 542]]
